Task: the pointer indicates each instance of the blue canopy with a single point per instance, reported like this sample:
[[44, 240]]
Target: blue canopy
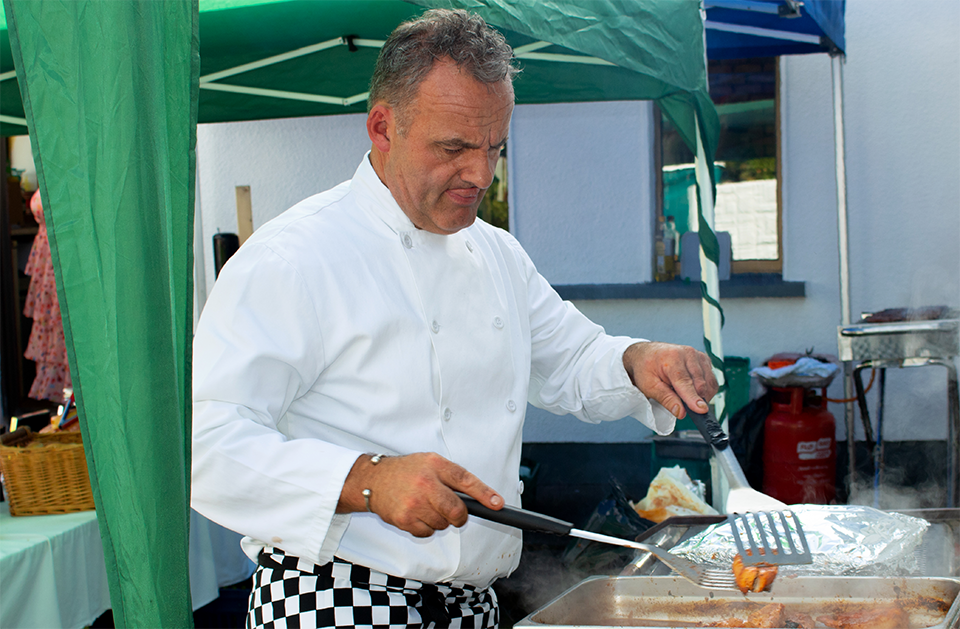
[[738, 29]]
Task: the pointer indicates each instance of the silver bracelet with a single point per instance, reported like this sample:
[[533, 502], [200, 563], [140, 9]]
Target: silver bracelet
[[366, 493]]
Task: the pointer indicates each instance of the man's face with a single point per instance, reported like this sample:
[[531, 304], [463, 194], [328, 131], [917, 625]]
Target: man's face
[[439, 170]]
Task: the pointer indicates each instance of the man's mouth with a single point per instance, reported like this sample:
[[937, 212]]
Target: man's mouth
[[464, 196]]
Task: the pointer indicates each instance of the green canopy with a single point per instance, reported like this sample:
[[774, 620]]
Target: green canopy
[[111, 93], [266, 59]]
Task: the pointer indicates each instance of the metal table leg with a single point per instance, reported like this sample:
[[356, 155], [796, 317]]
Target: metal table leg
[[875, 442], [953, 424], [850, 421], [953, 420], [878, 444], [953, 434], [862, 401]]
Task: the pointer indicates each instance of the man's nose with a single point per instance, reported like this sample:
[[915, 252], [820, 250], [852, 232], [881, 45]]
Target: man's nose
[[479, 168]]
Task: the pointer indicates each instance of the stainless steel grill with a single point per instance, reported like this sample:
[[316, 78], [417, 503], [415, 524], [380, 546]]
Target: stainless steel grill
[[905, 344], [900, 340]]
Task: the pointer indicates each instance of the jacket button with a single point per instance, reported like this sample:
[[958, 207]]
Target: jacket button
[[511, 405], [520, 488], [407, 241], [497, 322], [447, 414], [435, 326]]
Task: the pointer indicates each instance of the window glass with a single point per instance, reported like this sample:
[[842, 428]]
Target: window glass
[[747, 203]]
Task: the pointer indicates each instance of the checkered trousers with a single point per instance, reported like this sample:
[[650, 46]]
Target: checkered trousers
[[289, 592]]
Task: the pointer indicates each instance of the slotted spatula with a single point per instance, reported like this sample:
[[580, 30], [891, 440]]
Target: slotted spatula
[[742, 498], [770, 537], [707, 577]]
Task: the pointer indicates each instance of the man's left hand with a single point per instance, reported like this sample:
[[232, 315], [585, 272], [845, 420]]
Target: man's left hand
[[671, 375]]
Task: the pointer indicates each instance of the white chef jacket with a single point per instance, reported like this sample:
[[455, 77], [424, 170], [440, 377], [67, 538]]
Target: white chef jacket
[[338, 329]]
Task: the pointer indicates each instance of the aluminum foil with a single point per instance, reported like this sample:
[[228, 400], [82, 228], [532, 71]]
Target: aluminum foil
[[845, 540]]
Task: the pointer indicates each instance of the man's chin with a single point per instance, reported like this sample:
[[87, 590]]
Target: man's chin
[[458, 221]]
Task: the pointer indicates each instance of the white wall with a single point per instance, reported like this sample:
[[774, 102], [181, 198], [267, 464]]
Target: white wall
[[580, 173], [581, 193], [283, 162]]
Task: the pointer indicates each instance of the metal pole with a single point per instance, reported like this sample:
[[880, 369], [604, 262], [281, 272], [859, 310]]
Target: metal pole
[[837, 71], [836, 67]]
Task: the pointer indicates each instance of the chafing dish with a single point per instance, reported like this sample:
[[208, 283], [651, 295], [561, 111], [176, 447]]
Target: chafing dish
[[667, 601]]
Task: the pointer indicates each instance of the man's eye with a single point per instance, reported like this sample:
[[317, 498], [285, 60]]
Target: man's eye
[[452, 151]]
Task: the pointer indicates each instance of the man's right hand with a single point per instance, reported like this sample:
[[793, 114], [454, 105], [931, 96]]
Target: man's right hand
[[414, 492]]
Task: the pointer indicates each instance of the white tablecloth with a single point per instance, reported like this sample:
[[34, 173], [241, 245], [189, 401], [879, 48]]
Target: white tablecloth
[[52, 572]]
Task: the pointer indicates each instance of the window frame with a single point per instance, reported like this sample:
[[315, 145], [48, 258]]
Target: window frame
[[773, 265]]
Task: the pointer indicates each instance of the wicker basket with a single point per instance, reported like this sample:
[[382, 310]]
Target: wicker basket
[[46, 475]]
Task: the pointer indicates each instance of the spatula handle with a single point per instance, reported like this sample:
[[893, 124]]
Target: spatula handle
[[709, 427], [518, 518]]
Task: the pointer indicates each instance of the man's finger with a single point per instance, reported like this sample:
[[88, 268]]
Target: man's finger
[[450, 507], [710, 380], [697, 373], [680, 391], [668, 398], [460, 479], [699, 384], [435, 520], [421, 529]]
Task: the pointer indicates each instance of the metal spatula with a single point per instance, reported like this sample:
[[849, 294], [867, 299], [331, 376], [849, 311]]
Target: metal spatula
[[742, 498], [707, 577], [770, 537]]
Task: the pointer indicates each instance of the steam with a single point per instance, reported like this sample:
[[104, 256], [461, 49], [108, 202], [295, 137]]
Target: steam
[[896, 492], [541, 577], [936, 556]]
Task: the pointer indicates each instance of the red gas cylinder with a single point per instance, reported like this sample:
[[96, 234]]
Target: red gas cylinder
[[799, 447]]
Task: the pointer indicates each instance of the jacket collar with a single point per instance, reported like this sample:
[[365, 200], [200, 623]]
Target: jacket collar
[[374, 197]]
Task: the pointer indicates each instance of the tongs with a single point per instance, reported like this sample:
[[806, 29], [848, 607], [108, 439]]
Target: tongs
[[704, 576]]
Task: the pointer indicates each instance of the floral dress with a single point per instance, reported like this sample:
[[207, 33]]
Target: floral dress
[[46, 346]]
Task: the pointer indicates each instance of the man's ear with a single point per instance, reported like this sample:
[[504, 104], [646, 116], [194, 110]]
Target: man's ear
[[380, 126]]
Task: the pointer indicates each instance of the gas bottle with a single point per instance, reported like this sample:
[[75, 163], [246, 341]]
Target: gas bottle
[[799, 447]]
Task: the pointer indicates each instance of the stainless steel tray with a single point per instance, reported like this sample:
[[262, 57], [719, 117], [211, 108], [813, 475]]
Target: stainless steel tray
[[667, 601]]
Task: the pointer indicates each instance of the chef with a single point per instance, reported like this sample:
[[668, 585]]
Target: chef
[[372, 350]]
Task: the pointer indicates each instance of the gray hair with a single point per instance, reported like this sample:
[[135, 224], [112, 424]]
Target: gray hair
[[411, 50]]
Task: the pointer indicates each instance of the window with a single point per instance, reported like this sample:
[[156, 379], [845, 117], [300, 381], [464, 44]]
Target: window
[[747, 167]]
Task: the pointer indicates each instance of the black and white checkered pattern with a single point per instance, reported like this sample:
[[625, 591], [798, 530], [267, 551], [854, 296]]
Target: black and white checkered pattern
[[291, 592]]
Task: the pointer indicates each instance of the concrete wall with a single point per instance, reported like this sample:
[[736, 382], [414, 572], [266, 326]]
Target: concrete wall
[[582, 199]]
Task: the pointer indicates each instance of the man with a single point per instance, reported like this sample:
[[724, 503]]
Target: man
[[371, 351]]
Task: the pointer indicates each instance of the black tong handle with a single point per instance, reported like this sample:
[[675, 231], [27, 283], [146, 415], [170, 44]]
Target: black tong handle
[[515, 517]]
